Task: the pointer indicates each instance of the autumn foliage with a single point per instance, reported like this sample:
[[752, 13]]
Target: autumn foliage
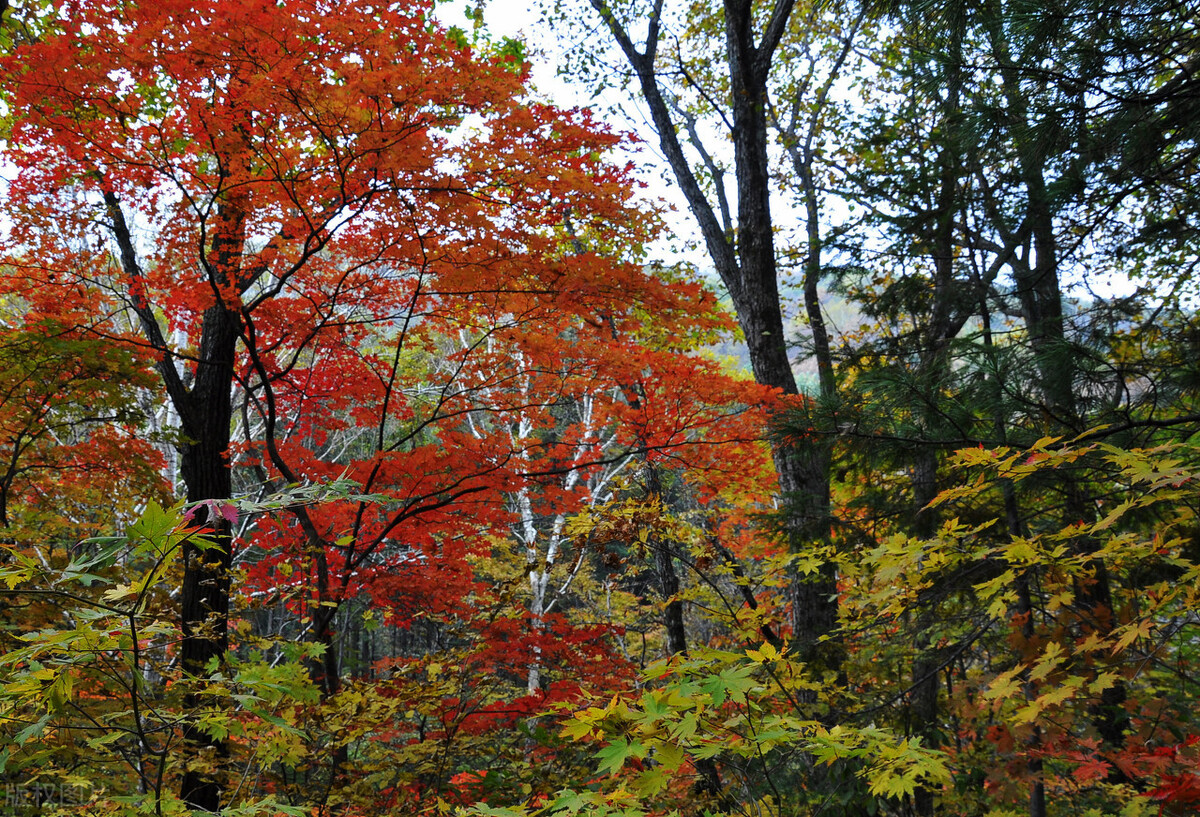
[[355, 457], [357, 253]]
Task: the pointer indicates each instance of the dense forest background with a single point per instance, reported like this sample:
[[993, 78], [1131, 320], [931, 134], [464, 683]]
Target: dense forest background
[[363, 451]]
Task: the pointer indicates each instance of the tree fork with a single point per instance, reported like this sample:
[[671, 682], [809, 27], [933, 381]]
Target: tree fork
[[746, 262]]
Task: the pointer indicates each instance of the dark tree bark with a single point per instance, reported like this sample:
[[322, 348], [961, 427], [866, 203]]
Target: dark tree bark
[[744, 257], [205, 409], [1039, 292], [709, 782]]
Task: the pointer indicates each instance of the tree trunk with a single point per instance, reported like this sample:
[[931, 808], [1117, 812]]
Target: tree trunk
[[1015, 527], [745, 259], [1039, 292], [753, 284], [206, 416], [204, 609], [709, 781], [204, 605]]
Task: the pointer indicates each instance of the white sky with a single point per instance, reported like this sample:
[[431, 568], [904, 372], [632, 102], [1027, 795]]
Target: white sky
[[521, 19]]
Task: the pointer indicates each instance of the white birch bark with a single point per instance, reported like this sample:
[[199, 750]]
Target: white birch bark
[[541, 539]]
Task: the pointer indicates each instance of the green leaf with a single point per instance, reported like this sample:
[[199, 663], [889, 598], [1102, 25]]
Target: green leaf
[[612, 757], [34, 729]]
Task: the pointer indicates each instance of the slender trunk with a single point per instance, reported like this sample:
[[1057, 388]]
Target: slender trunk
[[709, 782], [1012, 515], [745, 259], [1040, 295], [204, 614], [668, 584], [927, 661], [326, 670], [1037, 788], [812, 278], [206, 418], [204, 597], [926, 666], [945, 321]]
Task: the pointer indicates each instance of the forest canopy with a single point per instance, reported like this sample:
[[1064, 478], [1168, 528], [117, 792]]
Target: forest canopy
[[361, 452]]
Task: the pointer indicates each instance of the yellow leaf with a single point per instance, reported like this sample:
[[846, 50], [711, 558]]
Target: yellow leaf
[[1021, 551], [1006, 684], [1132, 634]]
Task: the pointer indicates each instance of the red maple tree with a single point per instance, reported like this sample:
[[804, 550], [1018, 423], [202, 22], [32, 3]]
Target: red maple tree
[[349, 231]]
